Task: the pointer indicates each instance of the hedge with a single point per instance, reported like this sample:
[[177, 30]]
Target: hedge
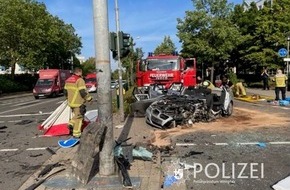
[[23, 82]]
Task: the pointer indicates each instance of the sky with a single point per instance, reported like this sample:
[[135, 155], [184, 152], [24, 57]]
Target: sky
[[147, 21]]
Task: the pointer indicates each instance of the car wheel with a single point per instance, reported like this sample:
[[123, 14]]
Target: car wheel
[[36, 97], [53, 95]]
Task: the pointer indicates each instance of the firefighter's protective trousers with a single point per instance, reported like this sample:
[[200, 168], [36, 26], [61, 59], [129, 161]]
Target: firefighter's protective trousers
[[77, 95], [240, 89], [76, 122]]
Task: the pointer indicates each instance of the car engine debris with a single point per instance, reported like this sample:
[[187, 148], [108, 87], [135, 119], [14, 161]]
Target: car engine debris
[[174, 110]]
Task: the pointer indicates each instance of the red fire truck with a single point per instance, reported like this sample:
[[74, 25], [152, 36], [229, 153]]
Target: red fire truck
[[165, 70]]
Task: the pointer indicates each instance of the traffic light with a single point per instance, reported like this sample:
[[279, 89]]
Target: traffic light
[[113, 40], [125, 44], [113, 44]]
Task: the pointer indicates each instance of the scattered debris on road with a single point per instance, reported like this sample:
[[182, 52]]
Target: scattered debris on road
[[3, 127], [48, 168], [242, 119], [24, 122], [50, 150], [36, 155]]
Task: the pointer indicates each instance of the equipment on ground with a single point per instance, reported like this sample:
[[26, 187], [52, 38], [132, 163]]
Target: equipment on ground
[[56, 124], [50, 83]]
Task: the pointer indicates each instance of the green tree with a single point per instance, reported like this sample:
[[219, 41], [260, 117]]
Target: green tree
[[265, 32], [115, 75], [89, 66], [130, 62], [29, 35], [166, 47], [208, 33]]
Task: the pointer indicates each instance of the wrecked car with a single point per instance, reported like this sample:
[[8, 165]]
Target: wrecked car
[[189, 107], [146, 96]]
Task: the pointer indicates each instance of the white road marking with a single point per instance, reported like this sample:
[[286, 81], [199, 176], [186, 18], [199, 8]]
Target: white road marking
[[24, 107], [278, 143], [2, 121], [60, 102], [14, 101], [241, 143], [221, 144], [177, 144], [25, 115], [248, 143], [23, 103], [15, 121], [40, 148], [185, 144], [5, 104], [8, 150], [28, 149]]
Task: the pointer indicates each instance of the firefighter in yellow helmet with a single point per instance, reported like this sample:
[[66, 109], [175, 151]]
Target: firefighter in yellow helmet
[[77, 95]]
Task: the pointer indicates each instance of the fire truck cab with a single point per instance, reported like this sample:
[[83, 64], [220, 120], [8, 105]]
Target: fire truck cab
[[166, 70]]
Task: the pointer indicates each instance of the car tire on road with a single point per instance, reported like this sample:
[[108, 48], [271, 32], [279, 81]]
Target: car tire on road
[[36, 97]]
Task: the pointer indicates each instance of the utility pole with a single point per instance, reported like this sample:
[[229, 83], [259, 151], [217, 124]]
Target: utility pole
[[121, 99], [288, 40], [102, 53], [212, 73]]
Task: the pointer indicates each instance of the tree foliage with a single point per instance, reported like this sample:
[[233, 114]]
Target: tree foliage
[[31, 36], [166, 47], [265, 32], [217, 33], [129, 63], [89, 66], [207, 32]]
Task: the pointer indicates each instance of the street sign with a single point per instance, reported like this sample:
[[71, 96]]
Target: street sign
[[286, 59], [283, 52]]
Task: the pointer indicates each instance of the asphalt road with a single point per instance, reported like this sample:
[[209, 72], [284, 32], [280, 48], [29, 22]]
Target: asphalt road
[[22, 149], [235, 160]]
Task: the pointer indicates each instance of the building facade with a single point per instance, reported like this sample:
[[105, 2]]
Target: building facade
[[259, 3]]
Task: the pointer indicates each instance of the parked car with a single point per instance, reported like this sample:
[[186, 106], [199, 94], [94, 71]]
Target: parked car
[[114, 84]]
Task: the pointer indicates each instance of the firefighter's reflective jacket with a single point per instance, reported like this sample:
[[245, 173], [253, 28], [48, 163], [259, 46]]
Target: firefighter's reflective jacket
[[76, 92]]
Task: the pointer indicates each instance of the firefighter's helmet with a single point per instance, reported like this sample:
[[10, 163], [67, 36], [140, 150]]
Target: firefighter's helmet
[[205, 83]]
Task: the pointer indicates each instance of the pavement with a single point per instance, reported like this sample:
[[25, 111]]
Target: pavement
[[269, 93], [145, 175]]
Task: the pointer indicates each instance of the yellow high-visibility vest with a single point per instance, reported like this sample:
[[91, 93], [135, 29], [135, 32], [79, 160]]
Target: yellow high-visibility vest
[[73, 85]]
